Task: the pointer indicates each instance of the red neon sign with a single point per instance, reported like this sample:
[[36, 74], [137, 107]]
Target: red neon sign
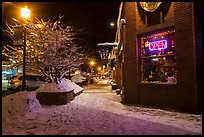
[[158, 45]]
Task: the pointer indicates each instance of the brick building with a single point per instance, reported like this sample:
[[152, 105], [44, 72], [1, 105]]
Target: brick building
[[158, 57]]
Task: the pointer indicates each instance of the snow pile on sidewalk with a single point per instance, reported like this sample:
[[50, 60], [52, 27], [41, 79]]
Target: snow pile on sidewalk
[[53, 87], [18, 104], [77, 88], [22, 102], [65, 86], [57, 94]]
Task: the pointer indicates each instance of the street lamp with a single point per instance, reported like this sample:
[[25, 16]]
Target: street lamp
[[25, 13], [112, 24], [92, 63], [99, 68]]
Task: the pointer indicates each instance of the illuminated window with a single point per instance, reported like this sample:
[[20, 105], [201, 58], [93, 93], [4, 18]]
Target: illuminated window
[[158, 57]]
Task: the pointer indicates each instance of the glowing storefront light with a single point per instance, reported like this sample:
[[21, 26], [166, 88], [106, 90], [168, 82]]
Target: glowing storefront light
[[154, 59], [158, 45]]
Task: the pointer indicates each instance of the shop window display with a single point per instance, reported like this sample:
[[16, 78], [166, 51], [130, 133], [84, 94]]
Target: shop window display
[[158, 57]]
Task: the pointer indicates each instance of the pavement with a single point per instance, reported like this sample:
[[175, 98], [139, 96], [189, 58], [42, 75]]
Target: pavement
[[102, 89]]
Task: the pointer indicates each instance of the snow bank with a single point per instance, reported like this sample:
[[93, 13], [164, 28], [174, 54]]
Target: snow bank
[[53, 87], [77, 88], [57, 94], [18, 104], [22, 102], [65, 86]]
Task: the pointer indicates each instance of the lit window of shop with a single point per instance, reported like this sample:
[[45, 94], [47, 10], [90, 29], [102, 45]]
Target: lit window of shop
[[158, 57]]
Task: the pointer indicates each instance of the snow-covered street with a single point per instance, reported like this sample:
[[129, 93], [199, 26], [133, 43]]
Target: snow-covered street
[[98, 111]]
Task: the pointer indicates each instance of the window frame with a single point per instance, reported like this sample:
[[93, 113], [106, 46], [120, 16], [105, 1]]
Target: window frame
[[141, 57]]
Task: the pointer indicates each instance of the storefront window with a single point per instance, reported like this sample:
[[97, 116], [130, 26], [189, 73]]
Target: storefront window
[[158, 57]]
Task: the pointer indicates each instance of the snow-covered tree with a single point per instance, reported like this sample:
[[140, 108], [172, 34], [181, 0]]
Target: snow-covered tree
[[52, 48]]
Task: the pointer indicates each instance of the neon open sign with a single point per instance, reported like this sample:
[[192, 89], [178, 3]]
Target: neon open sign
[[158, 45]]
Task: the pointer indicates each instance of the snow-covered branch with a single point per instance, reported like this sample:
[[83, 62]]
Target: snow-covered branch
[[49, 45]]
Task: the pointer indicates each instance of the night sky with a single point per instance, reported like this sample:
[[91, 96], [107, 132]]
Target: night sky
[[92, 17]]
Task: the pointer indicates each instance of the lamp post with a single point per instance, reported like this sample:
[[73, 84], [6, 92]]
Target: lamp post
[[92, 63], [112, 24], [99, 70], [25, 13]]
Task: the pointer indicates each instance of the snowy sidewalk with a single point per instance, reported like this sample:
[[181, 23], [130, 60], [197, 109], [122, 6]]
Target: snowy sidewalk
[[102, 90], [98, 111]]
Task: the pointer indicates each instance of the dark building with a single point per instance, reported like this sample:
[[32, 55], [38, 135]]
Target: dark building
[[158, 57]]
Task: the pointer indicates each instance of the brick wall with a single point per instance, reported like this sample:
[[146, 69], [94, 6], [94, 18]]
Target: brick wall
[[182, 96], [185, 50], [130, 64]]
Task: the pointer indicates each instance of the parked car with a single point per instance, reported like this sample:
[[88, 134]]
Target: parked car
[[79, 80], [33, 82], [11, 78]]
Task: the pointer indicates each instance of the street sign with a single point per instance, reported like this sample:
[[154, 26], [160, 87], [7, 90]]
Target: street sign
[[105, 49], [104, 53], [18, 36], [150, 6]]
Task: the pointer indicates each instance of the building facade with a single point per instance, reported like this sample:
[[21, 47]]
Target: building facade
[[158, 56]]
